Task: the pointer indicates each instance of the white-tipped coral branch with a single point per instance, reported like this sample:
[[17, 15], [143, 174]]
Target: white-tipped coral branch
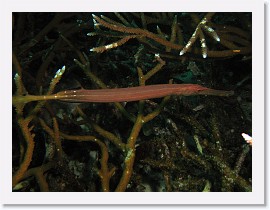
[[247, 138], [199, 33], [203, 43], [112, 45], [190, 42], [174, 41]]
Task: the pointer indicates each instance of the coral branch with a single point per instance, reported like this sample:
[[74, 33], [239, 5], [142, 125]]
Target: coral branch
[[106, 134], [137, 31], [120, 42], [29, 138], [104, 173], [190, 145], [199, 33], [130, 156]]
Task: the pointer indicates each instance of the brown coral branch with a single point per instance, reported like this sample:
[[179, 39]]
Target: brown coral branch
[[137, 31], [38, 173], [104, 133], [104, 173], [118, 43], [29, 138], [130, 156]]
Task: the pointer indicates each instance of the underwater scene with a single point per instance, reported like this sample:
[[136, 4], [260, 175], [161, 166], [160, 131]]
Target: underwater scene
[[132, 102]]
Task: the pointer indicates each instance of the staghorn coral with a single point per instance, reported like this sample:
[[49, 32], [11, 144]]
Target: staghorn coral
[[151, 145]]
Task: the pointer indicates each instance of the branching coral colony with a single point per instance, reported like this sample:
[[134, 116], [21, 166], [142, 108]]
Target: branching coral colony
[[190, 141]]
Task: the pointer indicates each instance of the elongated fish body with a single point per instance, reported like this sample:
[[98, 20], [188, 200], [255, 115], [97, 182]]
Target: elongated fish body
[[137, 93]]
